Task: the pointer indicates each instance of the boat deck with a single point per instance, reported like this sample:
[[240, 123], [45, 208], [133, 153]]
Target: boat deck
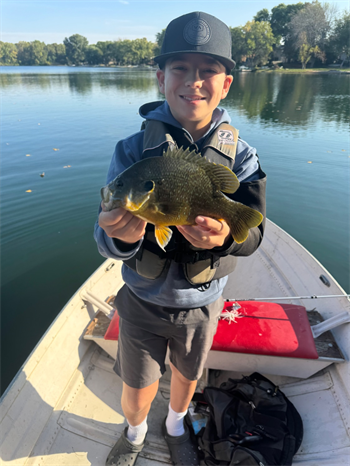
[[88, 419], [63, 408]]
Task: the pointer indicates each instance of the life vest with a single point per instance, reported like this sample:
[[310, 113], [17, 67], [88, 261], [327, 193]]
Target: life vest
[[200, 266]]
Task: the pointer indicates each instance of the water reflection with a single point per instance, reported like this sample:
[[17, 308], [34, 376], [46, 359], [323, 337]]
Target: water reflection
[[294, 100], [84, 82], [285, 99]]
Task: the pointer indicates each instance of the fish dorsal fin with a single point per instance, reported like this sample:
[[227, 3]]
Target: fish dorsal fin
[[183, 154], [221, 176]]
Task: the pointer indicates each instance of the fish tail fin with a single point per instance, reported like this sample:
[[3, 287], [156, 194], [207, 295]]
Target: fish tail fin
[[240, 221]]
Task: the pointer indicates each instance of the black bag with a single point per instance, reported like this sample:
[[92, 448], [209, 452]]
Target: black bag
[[251, 422]]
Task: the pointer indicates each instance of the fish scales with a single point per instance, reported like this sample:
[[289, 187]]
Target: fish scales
[[177, 187], [181, 190]]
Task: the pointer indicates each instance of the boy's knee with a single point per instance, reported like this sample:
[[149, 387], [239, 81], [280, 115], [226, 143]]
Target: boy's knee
[[134, 405], [137, 400], [176, 373]]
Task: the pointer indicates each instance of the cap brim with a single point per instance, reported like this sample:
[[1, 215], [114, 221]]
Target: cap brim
[[230, 64]]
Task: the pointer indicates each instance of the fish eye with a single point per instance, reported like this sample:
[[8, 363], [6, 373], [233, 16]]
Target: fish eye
[[119, 184], [148, 186]]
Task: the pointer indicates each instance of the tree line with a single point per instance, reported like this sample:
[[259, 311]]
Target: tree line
[[298, 34]]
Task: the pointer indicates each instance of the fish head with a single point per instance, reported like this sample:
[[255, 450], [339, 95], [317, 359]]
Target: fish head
[[129, 192]]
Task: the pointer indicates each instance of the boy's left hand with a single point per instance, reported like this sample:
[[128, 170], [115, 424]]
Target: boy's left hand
[[208, 233]]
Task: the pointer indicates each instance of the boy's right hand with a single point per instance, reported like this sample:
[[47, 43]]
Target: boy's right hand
[[121, 224]]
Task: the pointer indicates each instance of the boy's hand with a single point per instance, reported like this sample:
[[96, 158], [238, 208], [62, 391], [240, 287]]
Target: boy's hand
[[207, 234], [121, 224]]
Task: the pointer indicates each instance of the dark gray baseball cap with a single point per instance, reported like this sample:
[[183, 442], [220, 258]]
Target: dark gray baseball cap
[[197, 32]]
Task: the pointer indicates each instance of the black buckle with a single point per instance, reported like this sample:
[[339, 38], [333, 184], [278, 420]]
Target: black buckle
[[190, 257], [195, 257], [239, 439]]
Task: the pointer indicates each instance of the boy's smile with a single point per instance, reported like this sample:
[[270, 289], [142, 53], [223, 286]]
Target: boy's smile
[[193, 85]]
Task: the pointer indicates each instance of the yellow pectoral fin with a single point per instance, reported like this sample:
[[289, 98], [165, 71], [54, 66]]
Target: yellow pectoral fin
[[163, 235]]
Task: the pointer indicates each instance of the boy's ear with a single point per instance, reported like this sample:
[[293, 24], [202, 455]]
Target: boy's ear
[[161, 78], [227, 84]]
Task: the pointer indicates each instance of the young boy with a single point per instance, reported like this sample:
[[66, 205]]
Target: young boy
[[174, 298]]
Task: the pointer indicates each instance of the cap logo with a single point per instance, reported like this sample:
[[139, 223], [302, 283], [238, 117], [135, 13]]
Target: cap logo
[[197, 32]]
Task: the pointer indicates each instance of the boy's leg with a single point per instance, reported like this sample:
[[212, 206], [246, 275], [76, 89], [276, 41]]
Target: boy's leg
[[175, 431], [189, 346], [136, 402], [181, 390]]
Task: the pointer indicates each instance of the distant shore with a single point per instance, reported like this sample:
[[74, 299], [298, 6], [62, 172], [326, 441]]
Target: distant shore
[[308, 70], [257, 70]]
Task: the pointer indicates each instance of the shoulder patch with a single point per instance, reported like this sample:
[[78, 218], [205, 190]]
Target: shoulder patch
[[225, 136]]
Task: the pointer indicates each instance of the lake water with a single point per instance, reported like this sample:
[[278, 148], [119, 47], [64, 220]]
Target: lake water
[[298, 122]]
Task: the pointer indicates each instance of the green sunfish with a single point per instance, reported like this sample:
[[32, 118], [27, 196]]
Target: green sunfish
[[177, 187]]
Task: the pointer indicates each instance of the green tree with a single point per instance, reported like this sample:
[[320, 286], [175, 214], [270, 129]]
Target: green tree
[[8, 53], [306, 52], [123, 53], [38, 53], [239, 46], [114, 52], [23, 52], [281, 16], [56, 54], [308, 29], [159, 42], [339, 42], [252, 43], [259, 40], [143, 50], [106, 49], [31, 53], [75, 48], [160, 37], [262, 15], [311, 25], [93, 55], [132, 52]]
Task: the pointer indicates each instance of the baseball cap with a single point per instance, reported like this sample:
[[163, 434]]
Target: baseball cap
[[197, 32]]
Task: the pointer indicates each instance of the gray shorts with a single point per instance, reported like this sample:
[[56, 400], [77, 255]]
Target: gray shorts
[[146, 330]]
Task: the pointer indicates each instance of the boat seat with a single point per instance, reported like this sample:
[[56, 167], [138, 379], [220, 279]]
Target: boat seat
[[260, 328]]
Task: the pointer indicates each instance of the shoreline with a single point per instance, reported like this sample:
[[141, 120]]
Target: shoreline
[[307, 71], [150, 68]]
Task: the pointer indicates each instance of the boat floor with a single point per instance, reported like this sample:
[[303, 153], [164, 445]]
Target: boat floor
[[88, 419], [63, 408]]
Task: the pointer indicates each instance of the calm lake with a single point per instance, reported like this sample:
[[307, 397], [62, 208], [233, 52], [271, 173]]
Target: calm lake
[[64, 122]]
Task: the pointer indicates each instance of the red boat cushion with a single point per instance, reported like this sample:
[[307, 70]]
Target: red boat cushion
[[261, 328]]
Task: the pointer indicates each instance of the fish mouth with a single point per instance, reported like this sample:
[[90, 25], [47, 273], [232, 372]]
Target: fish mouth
[[106, 194], [110, 201]]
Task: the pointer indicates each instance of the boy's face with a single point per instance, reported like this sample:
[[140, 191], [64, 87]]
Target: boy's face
[[193, 85]]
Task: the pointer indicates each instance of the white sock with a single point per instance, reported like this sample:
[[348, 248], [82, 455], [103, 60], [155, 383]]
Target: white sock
[[137, 434], [175, 422]]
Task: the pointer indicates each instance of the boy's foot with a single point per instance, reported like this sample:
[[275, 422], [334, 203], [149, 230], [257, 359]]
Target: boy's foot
[[124, 452], [182, 450]]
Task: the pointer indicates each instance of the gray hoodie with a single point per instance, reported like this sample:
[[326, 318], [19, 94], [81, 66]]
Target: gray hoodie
[[172, 290]]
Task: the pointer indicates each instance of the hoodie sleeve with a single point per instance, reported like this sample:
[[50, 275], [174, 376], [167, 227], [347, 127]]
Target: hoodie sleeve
[[125, 155]]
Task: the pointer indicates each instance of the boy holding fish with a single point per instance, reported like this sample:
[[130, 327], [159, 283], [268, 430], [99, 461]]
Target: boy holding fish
[[174, 277]]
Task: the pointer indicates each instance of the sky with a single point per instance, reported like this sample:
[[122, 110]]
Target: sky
[[100, 20]]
